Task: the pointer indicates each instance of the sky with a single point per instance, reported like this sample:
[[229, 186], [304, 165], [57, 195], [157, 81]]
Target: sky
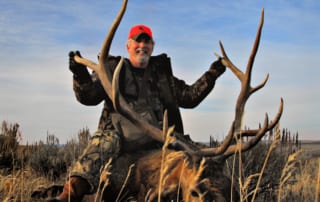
[[36, 36]]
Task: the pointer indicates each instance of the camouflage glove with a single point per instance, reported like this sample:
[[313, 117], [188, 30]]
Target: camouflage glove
[[217, 68], [80, 72]]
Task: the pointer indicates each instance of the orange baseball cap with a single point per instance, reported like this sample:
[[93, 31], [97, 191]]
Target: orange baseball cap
[[137, 30]]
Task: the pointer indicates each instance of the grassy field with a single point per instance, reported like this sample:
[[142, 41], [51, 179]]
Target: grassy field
[[290, 172], [311, 149], [305, 181], [302, 183]]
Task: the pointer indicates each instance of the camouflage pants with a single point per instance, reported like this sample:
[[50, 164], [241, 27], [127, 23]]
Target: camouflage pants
[[102, 146]]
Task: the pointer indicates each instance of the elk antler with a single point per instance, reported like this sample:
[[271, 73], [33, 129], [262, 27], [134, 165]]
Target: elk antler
[[104, 75], [226, 149]]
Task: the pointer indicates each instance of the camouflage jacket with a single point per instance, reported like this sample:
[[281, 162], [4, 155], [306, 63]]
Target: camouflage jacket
[[173, 92]]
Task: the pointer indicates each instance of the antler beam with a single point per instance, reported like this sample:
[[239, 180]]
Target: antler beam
[[225, 149]]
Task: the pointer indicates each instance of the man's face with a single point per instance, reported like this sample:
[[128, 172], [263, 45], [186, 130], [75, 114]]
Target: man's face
[[140, 51]]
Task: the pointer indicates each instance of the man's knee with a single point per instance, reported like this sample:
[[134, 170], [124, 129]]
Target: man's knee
[[102, 146]]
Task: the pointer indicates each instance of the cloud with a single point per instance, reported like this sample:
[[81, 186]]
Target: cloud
[[36, 85]]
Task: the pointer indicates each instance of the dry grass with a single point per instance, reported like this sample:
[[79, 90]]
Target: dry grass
[[288, 172], [20, 185], [297, 180], [272, 147], [303, 183], [104, 180]]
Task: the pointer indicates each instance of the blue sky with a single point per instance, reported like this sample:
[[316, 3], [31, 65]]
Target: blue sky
[[36, 36]]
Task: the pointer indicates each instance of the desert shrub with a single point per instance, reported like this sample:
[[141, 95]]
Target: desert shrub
[[9, 142], [83, 138], [52, 159], [74, 148], [48, 159]]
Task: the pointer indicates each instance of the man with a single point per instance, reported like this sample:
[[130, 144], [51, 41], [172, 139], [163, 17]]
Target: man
[[148, 85]]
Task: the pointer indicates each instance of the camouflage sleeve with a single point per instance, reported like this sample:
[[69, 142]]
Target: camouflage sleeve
[[89, 93], [189, 96]]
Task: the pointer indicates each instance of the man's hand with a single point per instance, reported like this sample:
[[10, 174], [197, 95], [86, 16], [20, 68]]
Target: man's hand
[[80, 71], [75, 67], [217, 68]]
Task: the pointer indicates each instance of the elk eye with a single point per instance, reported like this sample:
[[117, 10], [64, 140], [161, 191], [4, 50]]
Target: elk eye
[[194, 193]]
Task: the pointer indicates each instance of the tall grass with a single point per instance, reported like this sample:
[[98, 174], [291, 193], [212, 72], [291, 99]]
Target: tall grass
[[272, 147], [267, 173]]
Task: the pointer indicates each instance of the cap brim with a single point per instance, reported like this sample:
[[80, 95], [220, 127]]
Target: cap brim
[[140, 35]]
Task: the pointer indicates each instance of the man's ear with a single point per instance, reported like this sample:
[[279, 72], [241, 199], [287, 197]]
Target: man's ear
[[128, 44]]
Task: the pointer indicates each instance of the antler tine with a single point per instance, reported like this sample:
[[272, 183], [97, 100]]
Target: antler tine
[[263, 83], [258, 134], [255, 46], [248, 145], [222, 148], [228, 150], [278, 116], [115, 97], [123, 108], [165, 123], [250, 133], [253, 55], [227, 62], [104, 72], [92, 65]]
